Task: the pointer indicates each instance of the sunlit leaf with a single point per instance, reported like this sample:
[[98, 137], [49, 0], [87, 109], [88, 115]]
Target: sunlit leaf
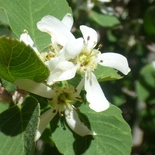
[[113, 134], [3, 18], [106, 74], [4, 106], [26, 13], [20, 61]]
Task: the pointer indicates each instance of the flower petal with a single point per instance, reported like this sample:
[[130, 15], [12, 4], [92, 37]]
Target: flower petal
[[52, 63], [35, 88], [76, 125], [45, 118], [56, 29], [89, 35], [95, 95], [27, 40], [114, 60], [79, 87], [65, 70], [73, 48], [68, 21]]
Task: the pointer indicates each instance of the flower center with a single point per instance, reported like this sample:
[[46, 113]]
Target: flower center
[[64, 98], [87, 59], [52, 52]]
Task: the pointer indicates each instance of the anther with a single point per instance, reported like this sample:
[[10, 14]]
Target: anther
[[79, 97], [77, 109], [100, 46], [25, 31], [54, 111], [80, 100], [61, 115], [101, 60], [68, 116]]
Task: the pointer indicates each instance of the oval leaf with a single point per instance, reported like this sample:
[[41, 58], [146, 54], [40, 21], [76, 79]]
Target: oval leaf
[[18, 127], [28, 13], [104, 20], [20, 61], [113, 134]]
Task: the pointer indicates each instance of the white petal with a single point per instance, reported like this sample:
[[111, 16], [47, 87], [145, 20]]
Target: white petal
[[79, 87], [35, 88], [114, 60], [56, 29], [68, 21], [95, 95], [76, 125], [45, 118], [52, 63], [65, 70], [89, 35], [27, 40], [73, 48]]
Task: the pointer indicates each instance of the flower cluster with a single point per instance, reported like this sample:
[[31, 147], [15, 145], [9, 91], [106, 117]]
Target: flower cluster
[[70, 56]]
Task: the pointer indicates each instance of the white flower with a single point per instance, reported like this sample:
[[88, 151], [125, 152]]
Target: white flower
[[44, 56], [79, 55], [62, 102], [28, 41], [57, 29]]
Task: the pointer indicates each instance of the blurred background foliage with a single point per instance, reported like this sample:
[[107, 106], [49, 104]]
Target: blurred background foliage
[[126, 27]]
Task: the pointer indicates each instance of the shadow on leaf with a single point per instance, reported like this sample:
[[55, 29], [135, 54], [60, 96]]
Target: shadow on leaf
[[20, 118]]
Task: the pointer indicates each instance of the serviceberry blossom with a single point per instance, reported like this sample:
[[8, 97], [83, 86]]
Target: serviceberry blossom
[[28, 40], [80, 56], [53, 49], [62, 100]]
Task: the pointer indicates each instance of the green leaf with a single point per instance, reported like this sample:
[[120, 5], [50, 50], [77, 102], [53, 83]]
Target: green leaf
[[113, 134], [149, 21], [20, 61], [104, 20], [111, 37], [3, 105], [3, 18], [145, 86], [106, 74], [10, 87], [17, 128], [75, 81], [28, 13]]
